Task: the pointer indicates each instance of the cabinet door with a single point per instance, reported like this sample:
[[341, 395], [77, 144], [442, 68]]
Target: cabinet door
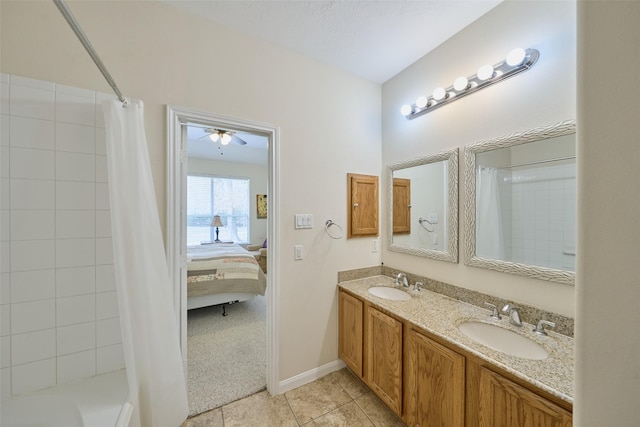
[[435, 383], [384, 358], [363, 205], [350, 331], [401, 206], [505, 403]]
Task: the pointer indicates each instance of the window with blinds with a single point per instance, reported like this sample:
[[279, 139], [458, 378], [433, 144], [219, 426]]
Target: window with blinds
[[208, 196]]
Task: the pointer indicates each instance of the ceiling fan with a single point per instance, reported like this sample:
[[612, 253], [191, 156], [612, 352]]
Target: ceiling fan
[[224, 136]]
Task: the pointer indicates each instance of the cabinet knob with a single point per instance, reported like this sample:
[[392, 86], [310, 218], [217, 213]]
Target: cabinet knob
[[355, 205]]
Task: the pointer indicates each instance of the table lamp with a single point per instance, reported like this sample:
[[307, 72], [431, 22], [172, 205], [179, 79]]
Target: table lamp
[[216, 222]]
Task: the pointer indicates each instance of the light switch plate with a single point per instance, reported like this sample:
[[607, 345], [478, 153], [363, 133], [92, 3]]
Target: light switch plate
[[304, 221]]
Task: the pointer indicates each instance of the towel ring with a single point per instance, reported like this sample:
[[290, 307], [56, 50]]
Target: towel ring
[[422, 221], [334, 235]]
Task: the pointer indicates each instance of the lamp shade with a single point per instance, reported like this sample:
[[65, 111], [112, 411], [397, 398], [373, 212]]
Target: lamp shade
[[216, 221]]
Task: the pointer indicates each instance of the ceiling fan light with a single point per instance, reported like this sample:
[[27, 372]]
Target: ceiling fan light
[[214, 136], [225, 139]]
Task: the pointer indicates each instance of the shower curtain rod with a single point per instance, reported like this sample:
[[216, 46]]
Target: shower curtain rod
[[68, 16], [538, 162]]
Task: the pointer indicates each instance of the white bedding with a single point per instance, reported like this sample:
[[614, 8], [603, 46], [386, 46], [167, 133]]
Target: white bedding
[[219, 271]]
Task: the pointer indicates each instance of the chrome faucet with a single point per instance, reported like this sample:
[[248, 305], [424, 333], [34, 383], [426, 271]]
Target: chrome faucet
[[403, 277], [494, 311], [514, 314], [540, 328]]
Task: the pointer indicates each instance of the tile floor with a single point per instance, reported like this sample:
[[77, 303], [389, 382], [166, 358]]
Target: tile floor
[[338, 399]]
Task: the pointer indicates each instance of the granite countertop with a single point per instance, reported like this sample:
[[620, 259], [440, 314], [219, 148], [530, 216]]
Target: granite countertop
[[440, 315]]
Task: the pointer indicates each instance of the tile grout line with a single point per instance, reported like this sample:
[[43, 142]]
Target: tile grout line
[[336, 407], [291, 409], [364, 412]]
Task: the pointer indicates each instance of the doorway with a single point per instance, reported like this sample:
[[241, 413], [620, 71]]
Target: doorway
[[177, 120]]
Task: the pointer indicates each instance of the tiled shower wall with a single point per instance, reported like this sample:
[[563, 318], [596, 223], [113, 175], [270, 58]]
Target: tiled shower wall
[[59, 310], [542, 215]]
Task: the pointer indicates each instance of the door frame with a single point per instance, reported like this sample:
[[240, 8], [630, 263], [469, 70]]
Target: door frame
[[176, 184]]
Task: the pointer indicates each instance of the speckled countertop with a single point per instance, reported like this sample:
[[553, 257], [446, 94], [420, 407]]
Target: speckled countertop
[[441, 315]]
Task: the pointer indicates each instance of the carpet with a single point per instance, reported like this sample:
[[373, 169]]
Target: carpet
[[227, 355]]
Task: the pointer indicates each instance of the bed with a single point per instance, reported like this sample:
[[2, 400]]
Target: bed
[[221, 273]]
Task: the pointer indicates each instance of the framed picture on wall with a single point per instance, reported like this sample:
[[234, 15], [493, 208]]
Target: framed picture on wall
[[261, 203]]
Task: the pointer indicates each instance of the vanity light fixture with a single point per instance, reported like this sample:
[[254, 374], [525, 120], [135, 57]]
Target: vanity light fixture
[[517, 61]]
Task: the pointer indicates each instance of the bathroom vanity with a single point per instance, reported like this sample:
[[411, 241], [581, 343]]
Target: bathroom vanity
[[413, 355]]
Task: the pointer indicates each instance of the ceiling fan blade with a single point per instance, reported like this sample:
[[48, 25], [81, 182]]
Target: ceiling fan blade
[[237, 140]]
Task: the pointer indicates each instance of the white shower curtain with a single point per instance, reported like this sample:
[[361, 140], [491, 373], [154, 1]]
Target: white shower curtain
[[149, 331], [489, 236]]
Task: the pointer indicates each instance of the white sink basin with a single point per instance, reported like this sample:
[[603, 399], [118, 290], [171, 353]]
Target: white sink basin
[[389, 293], [503, 340]]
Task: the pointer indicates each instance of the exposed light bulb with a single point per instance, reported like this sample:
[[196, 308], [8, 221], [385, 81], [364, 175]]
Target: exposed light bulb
[[516, 57], [214, 136], [225, 139], [461, 83], [406, 110], [422, 102], [439, 94], [516, 61], [485, 72]]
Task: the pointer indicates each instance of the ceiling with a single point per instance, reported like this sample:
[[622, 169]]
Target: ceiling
[[372, 39]]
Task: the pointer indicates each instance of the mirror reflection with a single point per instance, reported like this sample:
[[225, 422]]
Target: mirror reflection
[[426, 210], [423, 206], [525, 203]]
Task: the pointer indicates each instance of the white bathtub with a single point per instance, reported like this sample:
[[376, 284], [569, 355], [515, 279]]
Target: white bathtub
[[100, 401]]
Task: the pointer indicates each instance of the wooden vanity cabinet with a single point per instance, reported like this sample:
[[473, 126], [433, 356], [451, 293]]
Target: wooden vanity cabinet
[[362, 202], [430, 382], [499, 399], [350, 333], [434, 383], [383, 352]]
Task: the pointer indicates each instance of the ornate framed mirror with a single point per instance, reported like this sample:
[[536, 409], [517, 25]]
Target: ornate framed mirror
[[423, 206], [520, 203]]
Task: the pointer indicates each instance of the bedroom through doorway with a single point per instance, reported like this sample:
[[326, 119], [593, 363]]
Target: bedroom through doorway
[[221, 179], [227, 251]]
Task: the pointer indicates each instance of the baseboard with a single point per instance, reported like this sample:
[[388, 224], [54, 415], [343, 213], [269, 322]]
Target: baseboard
[[309, 376]]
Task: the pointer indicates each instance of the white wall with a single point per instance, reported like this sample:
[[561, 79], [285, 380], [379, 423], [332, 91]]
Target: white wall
[[541, 96], [257, 175], [329, 124], [608, 291], [59, 307]]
